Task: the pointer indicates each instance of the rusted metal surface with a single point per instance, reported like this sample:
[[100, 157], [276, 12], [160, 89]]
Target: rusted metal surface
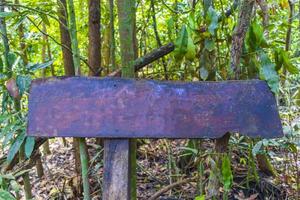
[[125, 108]]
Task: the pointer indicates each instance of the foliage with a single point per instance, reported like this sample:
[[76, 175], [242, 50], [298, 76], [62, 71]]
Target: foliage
[[201, 32]]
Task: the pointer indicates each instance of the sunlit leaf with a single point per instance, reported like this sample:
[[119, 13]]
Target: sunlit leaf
[[227, 177], [202, 197], [268, 72], [191, 50], [181, 44]]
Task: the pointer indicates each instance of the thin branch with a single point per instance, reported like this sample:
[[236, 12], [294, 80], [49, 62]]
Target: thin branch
[[173, 185]]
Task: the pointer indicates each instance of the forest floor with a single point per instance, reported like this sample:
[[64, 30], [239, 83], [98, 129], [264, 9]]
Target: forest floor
[[156, 161]]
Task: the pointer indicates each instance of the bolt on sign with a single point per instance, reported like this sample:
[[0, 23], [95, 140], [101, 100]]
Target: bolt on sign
[[117, 108]]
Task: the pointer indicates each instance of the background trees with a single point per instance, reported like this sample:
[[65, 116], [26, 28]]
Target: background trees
[[214, 40]]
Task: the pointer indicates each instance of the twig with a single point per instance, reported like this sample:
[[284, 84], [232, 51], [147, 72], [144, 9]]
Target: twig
[[169, 187]]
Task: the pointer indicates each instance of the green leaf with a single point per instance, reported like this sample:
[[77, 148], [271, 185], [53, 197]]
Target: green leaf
[[287, 63], [268, 72], [15, 186], [40, 65], [11, 58], [202, 197], [255, 37], [296, 97], [227, 176], [257, 147], [278, 59], [15, 147], [45, 19], [7, 14], [209, 44], [194, 151], [29, 146], [181, 43], [191, 50], [23, 83], [212, 18], [5, 195]]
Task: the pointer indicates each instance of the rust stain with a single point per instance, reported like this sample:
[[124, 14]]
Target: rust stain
[[127, 108]]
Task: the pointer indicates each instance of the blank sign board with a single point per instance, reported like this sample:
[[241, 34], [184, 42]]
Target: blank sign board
[[128, 108]]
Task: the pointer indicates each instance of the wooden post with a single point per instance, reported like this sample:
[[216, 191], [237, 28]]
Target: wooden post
[[116, 181]]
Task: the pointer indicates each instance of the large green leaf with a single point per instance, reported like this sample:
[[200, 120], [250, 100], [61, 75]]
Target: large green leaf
[[268, 72], [29, 146], [212, 19], [227, 177], [40, 65], [191, 50], [255, 37], [5, 195], [15, 146], [181, 43]]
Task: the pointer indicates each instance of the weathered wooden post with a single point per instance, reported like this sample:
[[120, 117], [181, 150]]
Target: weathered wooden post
[[126, 108]]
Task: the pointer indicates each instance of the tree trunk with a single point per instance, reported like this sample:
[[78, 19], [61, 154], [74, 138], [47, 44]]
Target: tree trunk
[[112, 35], [65, 38], [94, 53], [239, 36], [7, 66], [73, 33]]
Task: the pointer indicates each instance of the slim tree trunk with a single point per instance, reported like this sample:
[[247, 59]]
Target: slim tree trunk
[[94, 53], [73, 33], [112, 35], [289, 30], [7, 66]]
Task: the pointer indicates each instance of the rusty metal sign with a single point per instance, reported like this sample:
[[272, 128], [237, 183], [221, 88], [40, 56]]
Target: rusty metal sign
[[127, 108]]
